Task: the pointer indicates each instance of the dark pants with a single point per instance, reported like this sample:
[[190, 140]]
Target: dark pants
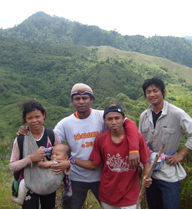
[[79, 190], [163, 195], [32, 201]]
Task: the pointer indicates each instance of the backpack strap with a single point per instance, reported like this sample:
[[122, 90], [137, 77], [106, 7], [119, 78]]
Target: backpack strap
[[20, 140], [51, 135]]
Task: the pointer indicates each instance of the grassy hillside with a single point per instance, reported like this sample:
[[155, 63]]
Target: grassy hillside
[[47, 72], [41, 27], [183, 71]]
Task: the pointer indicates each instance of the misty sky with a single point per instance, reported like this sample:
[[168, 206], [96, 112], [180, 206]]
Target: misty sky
[[128, 17]]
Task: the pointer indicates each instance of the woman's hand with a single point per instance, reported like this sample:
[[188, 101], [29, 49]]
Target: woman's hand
[[39, 155], [23, 130], [62, 166]]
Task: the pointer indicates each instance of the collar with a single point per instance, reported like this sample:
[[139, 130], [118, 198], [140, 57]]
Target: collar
[[164, 110], [77, 116]]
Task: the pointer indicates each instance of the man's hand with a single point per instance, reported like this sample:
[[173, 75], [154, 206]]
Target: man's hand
[[146, 182], [174, 159], [134, 160], [177, 157], [38, 155], [59, 168], [23, 130]]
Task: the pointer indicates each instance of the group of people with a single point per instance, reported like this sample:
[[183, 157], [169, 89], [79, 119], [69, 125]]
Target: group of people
[[108, 150]]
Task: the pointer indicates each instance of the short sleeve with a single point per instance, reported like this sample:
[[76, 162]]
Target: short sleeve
[[57, 139], [59, 128], [95, 155]]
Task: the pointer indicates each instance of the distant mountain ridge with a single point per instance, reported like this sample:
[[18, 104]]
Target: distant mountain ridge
[[188, 38], [34, 67], [47, 72], [42, 27]]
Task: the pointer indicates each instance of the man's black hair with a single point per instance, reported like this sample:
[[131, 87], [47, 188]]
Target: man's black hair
[[156, 82]]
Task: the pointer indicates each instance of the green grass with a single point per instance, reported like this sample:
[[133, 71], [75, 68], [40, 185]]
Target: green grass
[[6, 178], [153, 62]]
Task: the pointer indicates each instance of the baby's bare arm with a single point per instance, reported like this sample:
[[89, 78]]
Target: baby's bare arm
[[45, 164]]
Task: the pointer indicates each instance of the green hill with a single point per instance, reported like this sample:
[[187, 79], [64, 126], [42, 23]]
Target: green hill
[[47, 72], [150, 61], [45, 56], [42, 27]]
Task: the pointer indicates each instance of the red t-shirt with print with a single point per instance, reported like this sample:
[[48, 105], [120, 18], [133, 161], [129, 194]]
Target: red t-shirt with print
[[119, 186]]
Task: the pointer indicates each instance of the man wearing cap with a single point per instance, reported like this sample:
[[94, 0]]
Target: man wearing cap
[[119, 186], [80, 130]]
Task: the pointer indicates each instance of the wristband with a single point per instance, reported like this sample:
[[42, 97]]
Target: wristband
[[133, 151]]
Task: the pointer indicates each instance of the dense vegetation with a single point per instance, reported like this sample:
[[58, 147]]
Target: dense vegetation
[[41, 27], [47, 71]]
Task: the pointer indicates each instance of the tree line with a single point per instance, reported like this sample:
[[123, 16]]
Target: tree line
[[41, 27]]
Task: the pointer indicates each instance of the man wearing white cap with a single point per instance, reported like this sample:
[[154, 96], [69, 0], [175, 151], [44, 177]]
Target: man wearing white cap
[[80, 130]]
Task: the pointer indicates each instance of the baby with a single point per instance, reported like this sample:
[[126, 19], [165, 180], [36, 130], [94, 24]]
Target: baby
[[59, 152]]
